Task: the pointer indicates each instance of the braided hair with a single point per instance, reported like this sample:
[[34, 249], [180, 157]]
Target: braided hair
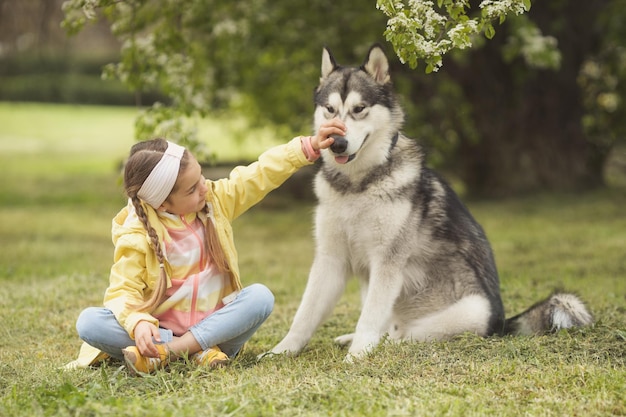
[[143, 158]]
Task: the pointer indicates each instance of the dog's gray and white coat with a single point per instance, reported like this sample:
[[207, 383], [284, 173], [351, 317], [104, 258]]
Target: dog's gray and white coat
[[425, 267]]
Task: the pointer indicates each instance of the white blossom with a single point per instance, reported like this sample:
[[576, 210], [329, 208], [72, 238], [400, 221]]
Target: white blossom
[[420, 30]]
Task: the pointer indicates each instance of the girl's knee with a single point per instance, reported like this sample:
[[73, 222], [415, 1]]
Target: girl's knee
[[94, 323], [263, 297], [85, 321]]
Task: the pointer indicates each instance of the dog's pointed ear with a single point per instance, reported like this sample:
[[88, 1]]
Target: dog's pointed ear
[[328, 63], [377, 65]]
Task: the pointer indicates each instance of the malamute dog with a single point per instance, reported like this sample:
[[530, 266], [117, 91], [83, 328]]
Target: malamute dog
[[425, 267]]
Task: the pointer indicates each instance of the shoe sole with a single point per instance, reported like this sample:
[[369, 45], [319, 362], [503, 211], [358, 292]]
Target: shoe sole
[[220, 363], [130, 358]]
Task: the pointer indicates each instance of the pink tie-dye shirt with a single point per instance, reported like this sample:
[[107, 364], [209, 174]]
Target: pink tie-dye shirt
[[197, 288]]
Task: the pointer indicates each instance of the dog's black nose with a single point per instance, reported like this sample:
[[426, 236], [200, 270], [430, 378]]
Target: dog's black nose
[[339, 145]]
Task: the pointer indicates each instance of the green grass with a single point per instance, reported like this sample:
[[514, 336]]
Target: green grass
[[57, 198]]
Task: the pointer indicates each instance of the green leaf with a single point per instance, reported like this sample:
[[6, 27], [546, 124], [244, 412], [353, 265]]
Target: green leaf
[[490, 32]]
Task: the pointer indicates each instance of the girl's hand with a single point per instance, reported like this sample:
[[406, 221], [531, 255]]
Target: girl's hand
[[322, 139], [144, 332]]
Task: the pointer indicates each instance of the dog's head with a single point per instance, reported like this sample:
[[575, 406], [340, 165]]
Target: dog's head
[[363, 98]]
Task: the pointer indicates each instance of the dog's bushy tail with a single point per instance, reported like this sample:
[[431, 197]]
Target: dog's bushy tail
[[559, 311]]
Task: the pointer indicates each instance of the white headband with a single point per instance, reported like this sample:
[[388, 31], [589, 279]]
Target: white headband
[[161, 180]]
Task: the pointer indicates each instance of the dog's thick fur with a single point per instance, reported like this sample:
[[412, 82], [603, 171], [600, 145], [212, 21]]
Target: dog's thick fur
[[425, 267]]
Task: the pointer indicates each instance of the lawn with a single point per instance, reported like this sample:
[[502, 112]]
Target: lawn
[[60, 189]]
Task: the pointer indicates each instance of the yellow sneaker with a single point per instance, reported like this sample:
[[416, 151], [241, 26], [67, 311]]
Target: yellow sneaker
[[212, 357], [138, 364]]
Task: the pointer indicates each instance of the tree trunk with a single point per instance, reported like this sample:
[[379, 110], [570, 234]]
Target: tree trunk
[[529, 121]]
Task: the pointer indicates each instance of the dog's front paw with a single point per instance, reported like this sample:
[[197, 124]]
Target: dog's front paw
[[277, 350], [268, 354], [362, 344], [353, 357], [286, 347]]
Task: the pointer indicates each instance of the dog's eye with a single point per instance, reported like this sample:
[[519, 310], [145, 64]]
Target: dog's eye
[[358, 109], [330, 109]]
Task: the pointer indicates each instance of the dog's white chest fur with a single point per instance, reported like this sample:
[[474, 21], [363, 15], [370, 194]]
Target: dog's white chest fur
[[361, 225]]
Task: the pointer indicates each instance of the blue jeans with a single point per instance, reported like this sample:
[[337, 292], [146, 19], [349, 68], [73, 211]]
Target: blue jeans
[[229, 327]]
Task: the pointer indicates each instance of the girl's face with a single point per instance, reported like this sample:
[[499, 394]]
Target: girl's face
[[190, 191]]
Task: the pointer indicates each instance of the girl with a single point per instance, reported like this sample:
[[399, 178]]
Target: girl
[[174, 288]]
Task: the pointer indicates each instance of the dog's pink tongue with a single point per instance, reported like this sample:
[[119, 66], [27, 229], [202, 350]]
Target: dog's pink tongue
[[342, 159]]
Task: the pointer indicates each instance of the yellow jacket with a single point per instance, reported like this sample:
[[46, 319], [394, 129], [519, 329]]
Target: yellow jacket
[[136, 269]]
